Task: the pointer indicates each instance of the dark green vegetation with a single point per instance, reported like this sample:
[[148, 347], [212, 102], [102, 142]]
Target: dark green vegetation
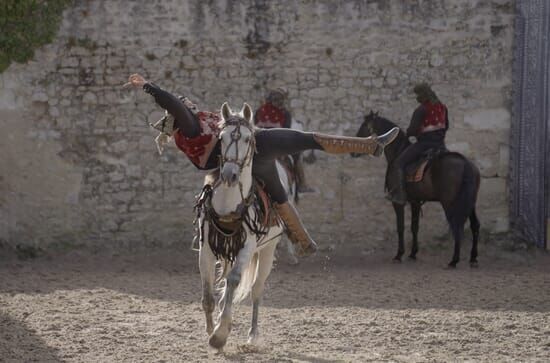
[[26, 25]]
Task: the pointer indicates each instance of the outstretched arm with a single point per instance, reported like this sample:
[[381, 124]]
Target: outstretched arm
[[185, 120]]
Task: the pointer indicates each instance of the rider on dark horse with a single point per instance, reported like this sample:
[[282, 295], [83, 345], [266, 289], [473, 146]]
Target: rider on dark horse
[[428, 125], [274, 114], [195, 133]]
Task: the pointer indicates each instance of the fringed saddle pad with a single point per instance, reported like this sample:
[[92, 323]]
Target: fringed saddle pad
[[266, 213], [225, 238]]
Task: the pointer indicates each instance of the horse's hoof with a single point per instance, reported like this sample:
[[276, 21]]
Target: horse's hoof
[[396, 259], [474, 264], [253, 339], [217, 342], [412, 258], [451, 265]]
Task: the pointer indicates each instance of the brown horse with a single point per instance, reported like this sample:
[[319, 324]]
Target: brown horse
[[450, 179]]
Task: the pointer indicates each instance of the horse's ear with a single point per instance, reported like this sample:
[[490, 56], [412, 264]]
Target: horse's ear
[[370, 113], [226, 111], [247, 112], [376, 113]]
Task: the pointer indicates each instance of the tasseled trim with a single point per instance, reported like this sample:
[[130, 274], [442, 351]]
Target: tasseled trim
[[226, 239]]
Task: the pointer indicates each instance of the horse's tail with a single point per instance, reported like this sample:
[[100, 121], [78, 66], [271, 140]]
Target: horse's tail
[[465, 200], [248, 277]]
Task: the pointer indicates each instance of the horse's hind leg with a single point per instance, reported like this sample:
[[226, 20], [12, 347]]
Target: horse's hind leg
[[207, 267], [415, 218], [457, 231], [474, 226], [264, 268]]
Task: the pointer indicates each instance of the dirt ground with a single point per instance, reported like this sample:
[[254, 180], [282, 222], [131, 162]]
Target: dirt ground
[[81, 307]]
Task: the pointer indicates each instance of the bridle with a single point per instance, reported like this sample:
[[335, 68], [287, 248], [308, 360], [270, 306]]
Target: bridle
[[238, 122], [246, 160]]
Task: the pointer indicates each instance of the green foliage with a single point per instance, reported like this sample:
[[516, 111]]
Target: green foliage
[[26, 25]]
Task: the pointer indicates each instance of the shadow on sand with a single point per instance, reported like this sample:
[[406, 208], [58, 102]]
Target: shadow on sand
[[20, 344]]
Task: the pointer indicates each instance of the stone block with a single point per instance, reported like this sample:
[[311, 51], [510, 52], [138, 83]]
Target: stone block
[[7, 100], [501, 224], [489, 119], [119, 146], [493, 192], [319, 93], [69, 62], [54, 112], [39, 96], [89, 98], [436, 60], [487, 166], [346, 82]]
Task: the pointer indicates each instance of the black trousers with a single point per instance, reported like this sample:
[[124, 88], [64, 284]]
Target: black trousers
[[271, 144], [410, 154]]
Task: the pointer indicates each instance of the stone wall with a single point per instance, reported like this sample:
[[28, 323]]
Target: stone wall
[[79, 165]]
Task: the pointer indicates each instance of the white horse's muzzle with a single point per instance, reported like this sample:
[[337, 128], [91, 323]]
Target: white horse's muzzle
[[229, 174]]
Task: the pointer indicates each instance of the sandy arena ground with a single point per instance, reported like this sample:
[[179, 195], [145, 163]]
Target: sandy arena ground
[[146, 307]]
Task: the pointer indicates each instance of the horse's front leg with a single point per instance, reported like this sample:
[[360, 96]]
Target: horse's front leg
[[223, 328], [400, 216], [207, 267], [265, 263], [415, 219]]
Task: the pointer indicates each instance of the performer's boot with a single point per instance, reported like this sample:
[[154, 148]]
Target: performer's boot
[[295, 229], [397, 192], [360, 145], [302, 186]]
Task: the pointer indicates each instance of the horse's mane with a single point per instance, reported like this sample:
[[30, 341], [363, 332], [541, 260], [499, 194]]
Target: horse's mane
[[383, 124]]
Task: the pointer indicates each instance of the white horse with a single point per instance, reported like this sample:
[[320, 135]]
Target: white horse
[[230, 232]]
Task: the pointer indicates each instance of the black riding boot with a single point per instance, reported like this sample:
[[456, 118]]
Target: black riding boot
[[396, 192]]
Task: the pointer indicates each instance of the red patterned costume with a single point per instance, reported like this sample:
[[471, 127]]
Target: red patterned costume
[[269, 116], [199, 148], [435, 117]]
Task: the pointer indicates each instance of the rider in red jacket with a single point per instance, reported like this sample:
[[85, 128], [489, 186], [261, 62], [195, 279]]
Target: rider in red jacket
[[429, 124]]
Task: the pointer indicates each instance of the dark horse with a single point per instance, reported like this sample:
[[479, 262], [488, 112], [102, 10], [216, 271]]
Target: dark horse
[[451, 179]]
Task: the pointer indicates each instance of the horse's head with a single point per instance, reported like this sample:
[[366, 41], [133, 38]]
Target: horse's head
[[369, 127], [373, 125], [237, 143]]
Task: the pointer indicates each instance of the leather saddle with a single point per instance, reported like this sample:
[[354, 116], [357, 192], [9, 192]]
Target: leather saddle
[[266, 214], [288, 163], [415, 171]]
